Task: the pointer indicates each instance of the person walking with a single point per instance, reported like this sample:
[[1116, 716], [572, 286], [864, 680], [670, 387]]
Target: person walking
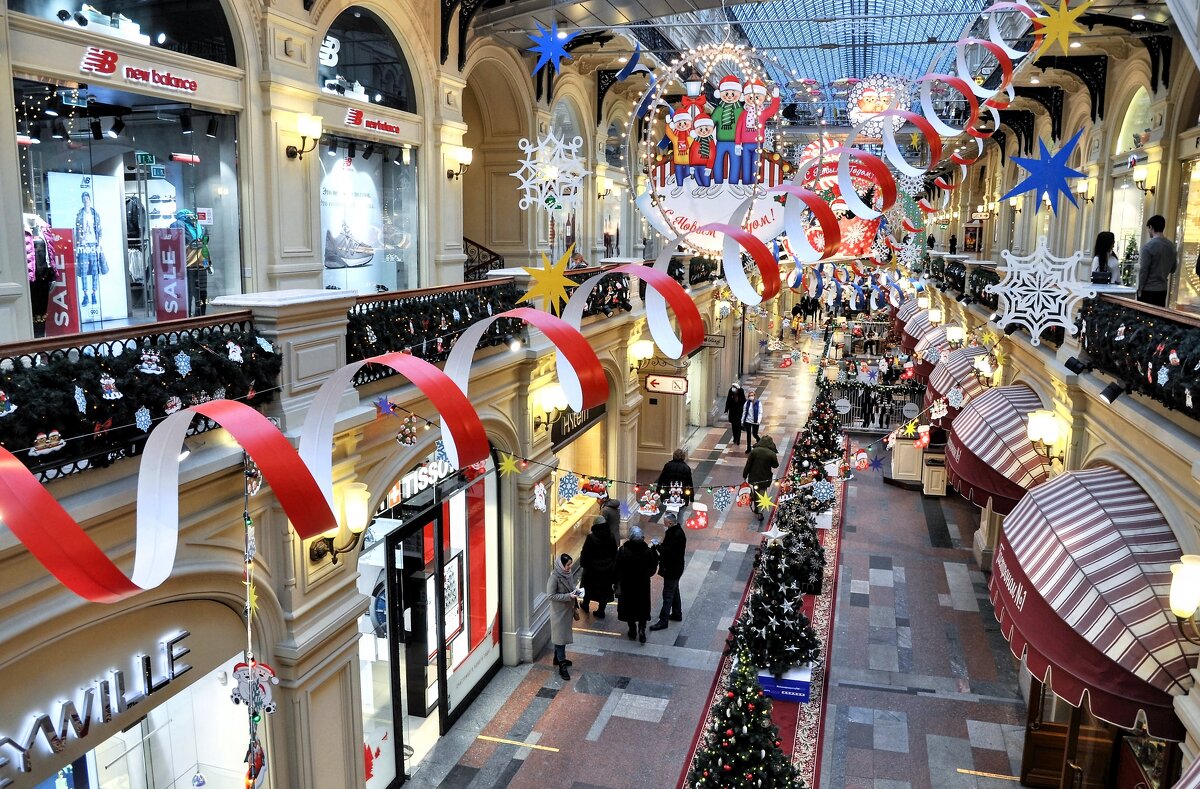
[[598, 560], [636, 564], [953, 245], [1157, 258], [560, 588], [759, 471], [611, 512], [670, 555], [676, 474], [1104, 261], [735, 402], [751, 419]]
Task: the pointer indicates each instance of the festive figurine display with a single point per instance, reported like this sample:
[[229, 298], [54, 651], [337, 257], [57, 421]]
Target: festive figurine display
[[6, 406], [678, 131], [108, 388], [539, 497], [702, 155], [649, 503], [234, 351], [254, 681], [173, 404], [151, 363], [726, 117], [45, 443], [751, 126]]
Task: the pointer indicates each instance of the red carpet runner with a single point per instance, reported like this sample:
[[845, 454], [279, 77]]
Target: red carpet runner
[[801, 726]]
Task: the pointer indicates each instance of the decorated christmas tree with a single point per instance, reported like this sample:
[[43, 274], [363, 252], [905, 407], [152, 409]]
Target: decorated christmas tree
[[742, 746], [1129, 262], [772, 631], [803, 550]]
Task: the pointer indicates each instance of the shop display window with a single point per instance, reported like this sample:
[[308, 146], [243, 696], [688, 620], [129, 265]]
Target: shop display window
[[370, 216], [1135, 128], [130, 205], [1127, 223], [361, 60], [562, 228], [191, 27], [1187, 235]]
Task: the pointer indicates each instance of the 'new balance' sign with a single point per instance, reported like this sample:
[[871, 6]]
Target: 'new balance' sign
[[105, 62], [356, 117]]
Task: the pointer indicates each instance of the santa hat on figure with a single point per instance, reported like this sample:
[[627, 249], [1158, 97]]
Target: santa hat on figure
[[703, 122], [729, 82], [755, 86], [681, 120]]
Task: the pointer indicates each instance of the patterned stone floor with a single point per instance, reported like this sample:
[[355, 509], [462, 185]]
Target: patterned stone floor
[[922, 692]]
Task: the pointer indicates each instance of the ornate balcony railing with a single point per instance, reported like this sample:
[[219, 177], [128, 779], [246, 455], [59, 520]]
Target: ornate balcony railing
[[977, 287], [480, 260], [611, 294], [84, 401], [702, 270], [1152, 351], [956, 276]]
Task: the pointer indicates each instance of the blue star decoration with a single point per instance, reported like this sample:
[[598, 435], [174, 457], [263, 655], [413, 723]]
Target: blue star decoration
[[549, 46], [1048, 175], [384, 407], [876, 464]]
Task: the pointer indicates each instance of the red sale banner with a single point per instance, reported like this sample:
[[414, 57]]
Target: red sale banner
[[170, 276], [62, 313]]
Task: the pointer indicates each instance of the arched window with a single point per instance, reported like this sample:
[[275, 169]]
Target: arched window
[[1135, 129], [360, 59], [614, 146], [197, 28]]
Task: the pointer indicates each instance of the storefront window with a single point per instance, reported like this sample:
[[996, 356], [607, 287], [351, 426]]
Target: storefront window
[[580, 441], [1188, 237], [430, 566], [566, 127], [1126, 223], [361, 60], [612, 206], [1135, 129], [191, 27], [135, 198]]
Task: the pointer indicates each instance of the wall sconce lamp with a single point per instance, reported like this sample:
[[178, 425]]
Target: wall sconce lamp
[[1045, 429], [553, 402], [935, 316], [1015, 204], [985, 369], [463, 156], [1081, 189], [603, 187], [309, 129], [955, 335], [356, 516], [1140, 173], [923, 302], [640, 352], [1185, 594]]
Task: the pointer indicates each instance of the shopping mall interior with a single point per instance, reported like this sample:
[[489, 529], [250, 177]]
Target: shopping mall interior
[[603, 394]]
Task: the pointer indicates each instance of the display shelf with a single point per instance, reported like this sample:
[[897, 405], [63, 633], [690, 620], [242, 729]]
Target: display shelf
[[569, 515]]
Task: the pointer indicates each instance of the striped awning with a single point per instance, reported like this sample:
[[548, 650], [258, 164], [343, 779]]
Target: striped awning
[[989, 454], [933, 340], [956, 368], [1081, 583], [916, 328], [904, 313]]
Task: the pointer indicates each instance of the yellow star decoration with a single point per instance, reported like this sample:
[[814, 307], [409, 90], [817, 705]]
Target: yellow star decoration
[[764, 502], [508, 464], [812, 369], [1059, 24], [910, 429], [550, 282], [252, 597]]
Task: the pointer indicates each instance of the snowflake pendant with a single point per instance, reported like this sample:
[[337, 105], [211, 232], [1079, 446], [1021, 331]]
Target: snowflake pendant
[[1041, 291]]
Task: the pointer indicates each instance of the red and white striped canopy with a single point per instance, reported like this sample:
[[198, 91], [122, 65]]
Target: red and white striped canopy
[[1081, 583], [904, 313], [916, 328], [989, 454], [956, 368], [933, 340]]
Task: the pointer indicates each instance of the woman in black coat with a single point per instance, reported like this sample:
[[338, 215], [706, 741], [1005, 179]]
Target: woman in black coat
[[599, 563], [636, 565], [735, 403]]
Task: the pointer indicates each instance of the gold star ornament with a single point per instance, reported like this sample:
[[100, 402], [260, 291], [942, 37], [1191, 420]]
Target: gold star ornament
[[550, 282], [910, 429], [508, 464], [1059, 24], [764, 502]]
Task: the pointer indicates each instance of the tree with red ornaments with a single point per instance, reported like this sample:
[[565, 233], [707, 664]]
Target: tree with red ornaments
[[741, 748]]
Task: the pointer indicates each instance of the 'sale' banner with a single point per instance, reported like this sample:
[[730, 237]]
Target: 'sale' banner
[[62, 310], [170, 276]]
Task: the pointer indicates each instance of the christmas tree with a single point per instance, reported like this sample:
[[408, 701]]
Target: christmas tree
[[1129, 262], [802, 547], [742, 745], [773, 631]]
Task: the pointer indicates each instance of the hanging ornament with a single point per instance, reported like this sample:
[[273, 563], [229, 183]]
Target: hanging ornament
[[1040, 291], [938, 410], [1120, 335], [219, 394], [183, 364], [7, 406], [1048, 175], [594, 488], [80, 400], [141, 418], [1173, 358], [743, 495], [234, 352], [173, 405], [550, 282], [568, 486], [550, 46], [108, 388], [151, 363], [722, 498], [955, 397], [1164, 375], [822, 490], [266, 346], [539, 497], [407, 436], [551, 173], [860, 460], [1187, 398], [649, 503]]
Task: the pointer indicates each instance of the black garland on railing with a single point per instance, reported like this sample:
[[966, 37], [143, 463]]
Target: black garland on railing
[[86, 406], [426, 326], [956, 276], [936, 266], [977, 287], [701, 270], [1157, 357], [610, 296]]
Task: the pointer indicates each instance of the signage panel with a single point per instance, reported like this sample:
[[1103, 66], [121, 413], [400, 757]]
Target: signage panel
[[667, 384]]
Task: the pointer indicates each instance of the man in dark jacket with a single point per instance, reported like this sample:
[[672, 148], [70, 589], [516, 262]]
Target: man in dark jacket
[[636, 564], [599, 563], [760, 467], [670, 566], [735, 402], [677, 473], [1157, 264], [611, 512]]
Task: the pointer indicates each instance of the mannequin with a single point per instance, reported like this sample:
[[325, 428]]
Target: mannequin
[[199, 264], [39, 253]]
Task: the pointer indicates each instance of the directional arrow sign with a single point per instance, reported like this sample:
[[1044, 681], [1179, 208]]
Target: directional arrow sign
[[666, 384]]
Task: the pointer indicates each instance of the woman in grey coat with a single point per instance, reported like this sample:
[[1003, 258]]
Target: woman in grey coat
[[560, 588]]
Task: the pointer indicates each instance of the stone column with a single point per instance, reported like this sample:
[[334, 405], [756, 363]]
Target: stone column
[[16, 317], [446, 209]]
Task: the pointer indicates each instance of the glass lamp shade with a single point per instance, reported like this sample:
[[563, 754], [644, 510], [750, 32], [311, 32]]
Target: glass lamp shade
[[955, 333], [553, 398], [1185, 586], [923, 302], [935, 316], [356, 502]]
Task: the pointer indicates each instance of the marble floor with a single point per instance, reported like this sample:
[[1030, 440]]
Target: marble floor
[[922, 693]]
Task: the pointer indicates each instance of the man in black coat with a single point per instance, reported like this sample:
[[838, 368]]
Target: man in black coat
[[599, 563], [636, 564], [675, 473], [735, 402], [670, 566], [611, 512]]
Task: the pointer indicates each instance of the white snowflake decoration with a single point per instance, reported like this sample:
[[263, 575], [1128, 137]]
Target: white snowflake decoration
[[266, 346], [722, 498], [80, 400], [909, 255], [183, 364], [933, 356], [955, 397], [551, 173], [1164, 375], [142, 419], [568, 486], [912, 185], [853, 234], [1041, 291]]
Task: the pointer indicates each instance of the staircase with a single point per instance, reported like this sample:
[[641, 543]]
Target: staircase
[[1186, 14], [480, 260]]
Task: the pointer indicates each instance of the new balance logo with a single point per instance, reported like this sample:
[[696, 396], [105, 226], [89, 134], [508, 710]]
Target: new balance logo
[[99, 61], [354, 117]]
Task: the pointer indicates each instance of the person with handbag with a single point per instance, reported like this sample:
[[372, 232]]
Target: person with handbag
[[1104, 261], [560, 588], [735, 405], [599, 562]]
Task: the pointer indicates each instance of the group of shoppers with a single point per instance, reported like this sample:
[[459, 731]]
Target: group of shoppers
[[1157, 261]]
